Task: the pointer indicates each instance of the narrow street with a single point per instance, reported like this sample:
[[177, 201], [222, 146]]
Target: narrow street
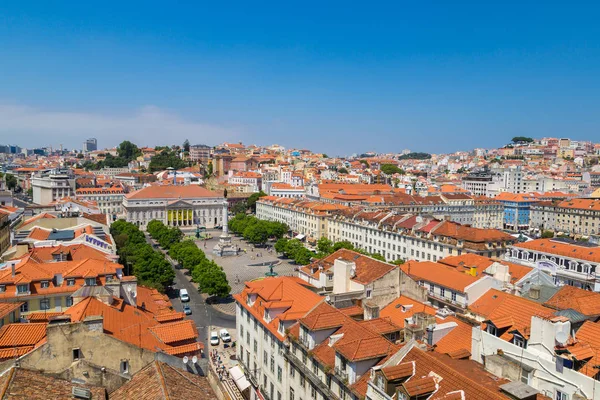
[[204, 315]]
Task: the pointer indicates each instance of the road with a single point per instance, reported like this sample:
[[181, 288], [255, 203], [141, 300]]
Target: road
[[20, 203], [203, 315]]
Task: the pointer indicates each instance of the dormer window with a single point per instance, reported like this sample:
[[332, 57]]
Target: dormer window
[[45, 284], [2, 288], [492, 330], [90, 281], [71, 282], [23, 289]]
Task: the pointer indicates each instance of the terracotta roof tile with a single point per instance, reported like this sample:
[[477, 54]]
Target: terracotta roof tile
[[580, 300]]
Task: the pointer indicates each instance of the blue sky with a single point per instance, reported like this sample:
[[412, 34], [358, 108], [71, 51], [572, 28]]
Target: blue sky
[[337, 77]]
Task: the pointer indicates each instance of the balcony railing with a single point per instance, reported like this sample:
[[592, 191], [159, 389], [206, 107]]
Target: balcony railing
[[309, 375]]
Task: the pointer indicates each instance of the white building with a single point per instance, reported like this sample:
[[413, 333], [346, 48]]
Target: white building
[[182, 206], [51, 185], [569, 262]]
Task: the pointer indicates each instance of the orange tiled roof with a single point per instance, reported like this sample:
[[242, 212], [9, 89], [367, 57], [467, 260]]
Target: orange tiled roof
[[19, 335], [510, 311], [157, 379], [172, 192], [367, 269], [136, 326], [562, 249], [439, 274], [299, 299], [583, 301], [466, 261]]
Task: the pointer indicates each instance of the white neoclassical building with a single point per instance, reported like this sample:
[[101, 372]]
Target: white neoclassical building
[[569, 263], [183, 206]]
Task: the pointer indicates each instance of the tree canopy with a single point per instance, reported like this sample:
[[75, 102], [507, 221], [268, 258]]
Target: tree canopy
[[206, 273], [415, 156], [343, 170], [524, 139], [167, 158], [391, 169], [256, 231], [148, 265]]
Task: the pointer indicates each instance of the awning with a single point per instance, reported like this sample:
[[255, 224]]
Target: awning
[[239, 378], [300, 236]]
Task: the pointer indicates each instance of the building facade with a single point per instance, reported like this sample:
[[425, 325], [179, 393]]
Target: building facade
[[109, 200], [568, 262], [183, 206], [52, 185], [573, 216]]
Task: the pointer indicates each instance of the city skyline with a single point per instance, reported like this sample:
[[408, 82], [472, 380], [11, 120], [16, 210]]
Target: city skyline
[[428, 77]]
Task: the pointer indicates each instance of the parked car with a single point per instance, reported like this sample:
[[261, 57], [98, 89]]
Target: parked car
[[187, 310], [214, 338], [183, 295], [224, 335]]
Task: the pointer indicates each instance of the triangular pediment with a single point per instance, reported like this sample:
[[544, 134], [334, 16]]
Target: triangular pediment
[[179, 204]]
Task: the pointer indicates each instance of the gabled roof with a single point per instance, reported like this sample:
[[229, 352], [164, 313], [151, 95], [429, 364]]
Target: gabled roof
[[19, 383], [367, 270], [292, 293], [512, 312], [580, 300], [159, 381], [557, 247], [439, 274]]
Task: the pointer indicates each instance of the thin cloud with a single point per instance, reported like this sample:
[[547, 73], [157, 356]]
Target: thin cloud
[[32, 127]]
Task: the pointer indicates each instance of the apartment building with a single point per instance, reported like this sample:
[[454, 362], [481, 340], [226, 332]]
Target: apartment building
[[488, 213], [303, 217], [49, 286], [395, 236], [573, 216], [536, 347], [265, 311], [569, 262], [246, 178], [517, 208], [52, 185], [200, 153], [447, 286], [108, 199]]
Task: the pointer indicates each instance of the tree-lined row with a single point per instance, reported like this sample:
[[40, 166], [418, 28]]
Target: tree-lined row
[[147, 265], [257, 231], [294, 249], [206, 273]]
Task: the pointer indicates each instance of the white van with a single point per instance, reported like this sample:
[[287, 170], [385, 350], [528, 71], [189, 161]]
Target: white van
[[183, 295]]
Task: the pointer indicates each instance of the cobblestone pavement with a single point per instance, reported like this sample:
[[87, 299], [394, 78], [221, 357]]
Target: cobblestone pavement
[[238, 269]]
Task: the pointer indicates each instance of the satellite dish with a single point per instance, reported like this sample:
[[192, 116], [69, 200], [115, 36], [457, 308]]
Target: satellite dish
[[561, 337], [195, 360], [185, 359], [419, 219]]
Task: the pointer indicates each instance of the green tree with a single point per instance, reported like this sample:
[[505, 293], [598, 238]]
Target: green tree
[[251, 202], [257, 233], [128, 151], [11, 181], [390, 169], [524, 139], [186, 146], [547, 235], [325, 246], [399, 261], [342, 170], [281, 245], [303, 256], [239, 208], [164, 159], [344, 244], [214, 281], [415, 156]]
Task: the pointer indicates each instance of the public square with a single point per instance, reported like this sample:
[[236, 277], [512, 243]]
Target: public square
[[243, 267]]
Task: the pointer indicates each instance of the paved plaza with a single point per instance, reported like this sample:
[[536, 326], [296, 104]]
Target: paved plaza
[[240, 268]]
